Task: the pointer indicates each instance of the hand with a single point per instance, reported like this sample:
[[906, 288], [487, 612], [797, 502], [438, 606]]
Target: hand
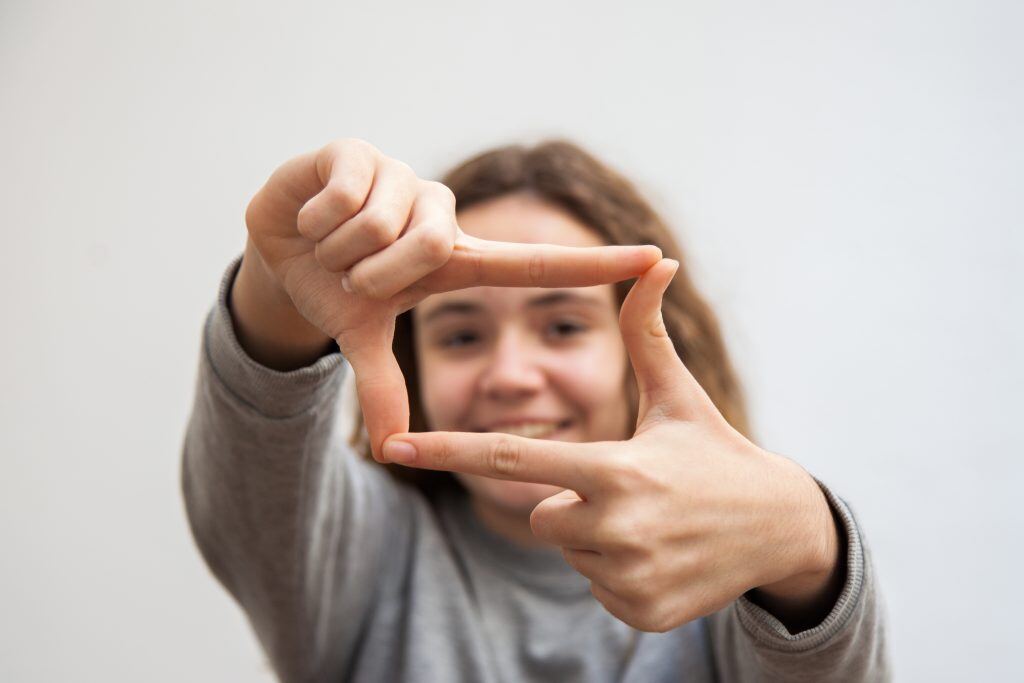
[[675, 523], [354, 239]]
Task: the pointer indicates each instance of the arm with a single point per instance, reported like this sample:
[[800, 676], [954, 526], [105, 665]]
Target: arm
[[275, 498], [750, 643]]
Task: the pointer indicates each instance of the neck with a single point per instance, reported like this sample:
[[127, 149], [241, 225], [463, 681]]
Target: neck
[[509, 524]]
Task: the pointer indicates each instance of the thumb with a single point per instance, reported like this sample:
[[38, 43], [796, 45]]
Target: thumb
[[382, 393], [667, 389]]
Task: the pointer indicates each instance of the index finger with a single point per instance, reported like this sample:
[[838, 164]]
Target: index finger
[[476, 262], [500, 456]]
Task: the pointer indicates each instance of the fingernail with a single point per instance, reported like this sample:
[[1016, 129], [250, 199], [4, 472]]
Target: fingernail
[[346, 284], [400, 451]]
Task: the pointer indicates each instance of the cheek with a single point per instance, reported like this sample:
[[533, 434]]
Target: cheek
[[592, 377], [446, 392]]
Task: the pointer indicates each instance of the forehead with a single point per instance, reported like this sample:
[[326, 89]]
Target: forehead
[[523, 217], [520, 217]]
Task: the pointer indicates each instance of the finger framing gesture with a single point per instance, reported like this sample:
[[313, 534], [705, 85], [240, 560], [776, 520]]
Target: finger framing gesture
[[677, 521], [355, 238]]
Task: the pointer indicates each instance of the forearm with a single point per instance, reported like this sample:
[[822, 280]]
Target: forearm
[[266, 322]]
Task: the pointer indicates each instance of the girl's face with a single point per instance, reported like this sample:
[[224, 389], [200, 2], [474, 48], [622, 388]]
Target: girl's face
[[536, 362]]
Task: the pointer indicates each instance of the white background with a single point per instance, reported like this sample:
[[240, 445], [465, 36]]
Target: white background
[[846, 177]]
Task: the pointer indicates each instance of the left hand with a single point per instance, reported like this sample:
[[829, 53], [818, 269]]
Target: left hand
[[678, 521]]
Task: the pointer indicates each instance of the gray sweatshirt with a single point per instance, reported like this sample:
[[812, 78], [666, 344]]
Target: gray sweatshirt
[[348, 575]]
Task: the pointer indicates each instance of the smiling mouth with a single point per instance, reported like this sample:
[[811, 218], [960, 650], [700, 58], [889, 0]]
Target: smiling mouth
[[531, 430]]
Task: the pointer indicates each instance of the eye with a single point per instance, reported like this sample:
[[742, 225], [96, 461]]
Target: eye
[[561, 329], [458, 339]]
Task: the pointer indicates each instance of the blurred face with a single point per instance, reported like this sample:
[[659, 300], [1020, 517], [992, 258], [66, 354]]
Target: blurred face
[[540, 363]]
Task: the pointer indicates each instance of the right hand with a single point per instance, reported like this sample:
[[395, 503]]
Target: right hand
[[355, 238]]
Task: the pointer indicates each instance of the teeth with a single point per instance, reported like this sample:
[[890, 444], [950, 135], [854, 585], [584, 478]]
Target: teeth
[[530, 430]]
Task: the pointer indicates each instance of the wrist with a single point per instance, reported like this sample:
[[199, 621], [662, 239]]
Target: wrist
[[805, 595], [266, 322]]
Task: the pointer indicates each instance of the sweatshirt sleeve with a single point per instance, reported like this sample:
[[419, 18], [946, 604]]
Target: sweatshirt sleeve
[[288, 518], [750, 644]]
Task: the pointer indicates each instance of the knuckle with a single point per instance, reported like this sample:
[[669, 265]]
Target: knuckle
[[344, 150], [403, 168], [536, 267], [343, 198], [537, 524], [435, 245], [648, 615], [636, 578], [612, 532], [378, 228], [696, 562], [365, 285], [625, 533], [327, 258], [334, 148], [304, 223], [504, 457], [475, 266], [657, 327], [540, 522], [254, 213], [349, 145], [442, 453], [442, 191], [623, 472]]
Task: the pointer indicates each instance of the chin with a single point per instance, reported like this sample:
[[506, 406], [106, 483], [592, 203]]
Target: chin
[[513, 496]]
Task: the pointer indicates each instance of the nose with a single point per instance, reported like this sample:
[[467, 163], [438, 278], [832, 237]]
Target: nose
[[512, 373]]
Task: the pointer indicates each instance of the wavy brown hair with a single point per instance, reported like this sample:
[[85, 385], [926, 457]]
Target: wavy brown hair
[[568, 177]]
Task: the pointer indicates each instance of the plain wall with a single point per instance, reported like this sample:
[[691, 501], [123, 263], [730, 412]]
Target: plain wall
[[845, 176]]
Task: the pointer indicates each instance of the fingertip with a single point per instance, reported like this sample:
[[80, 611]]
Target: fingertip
[[648, 292], [670, 269], [651, 252], [674, 268], [660, 274], [396, 450]]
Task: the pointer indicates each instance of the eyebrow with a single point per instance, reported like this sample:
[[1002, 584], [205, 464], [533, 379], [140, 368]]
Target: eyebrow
[[544, 300]]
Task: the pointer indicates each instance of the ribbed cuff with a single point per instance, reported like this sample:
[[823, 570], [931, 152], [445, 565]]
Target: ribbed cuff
[[270, 392], [765, 629]]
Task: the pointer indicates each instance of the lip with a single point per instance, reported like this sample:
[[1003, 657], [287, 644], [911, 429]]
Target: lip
[[518, 421]]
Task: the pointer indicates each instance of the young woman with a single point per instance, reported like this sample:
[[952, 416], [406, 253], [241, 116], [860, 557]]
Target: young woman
[[555, 480]]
